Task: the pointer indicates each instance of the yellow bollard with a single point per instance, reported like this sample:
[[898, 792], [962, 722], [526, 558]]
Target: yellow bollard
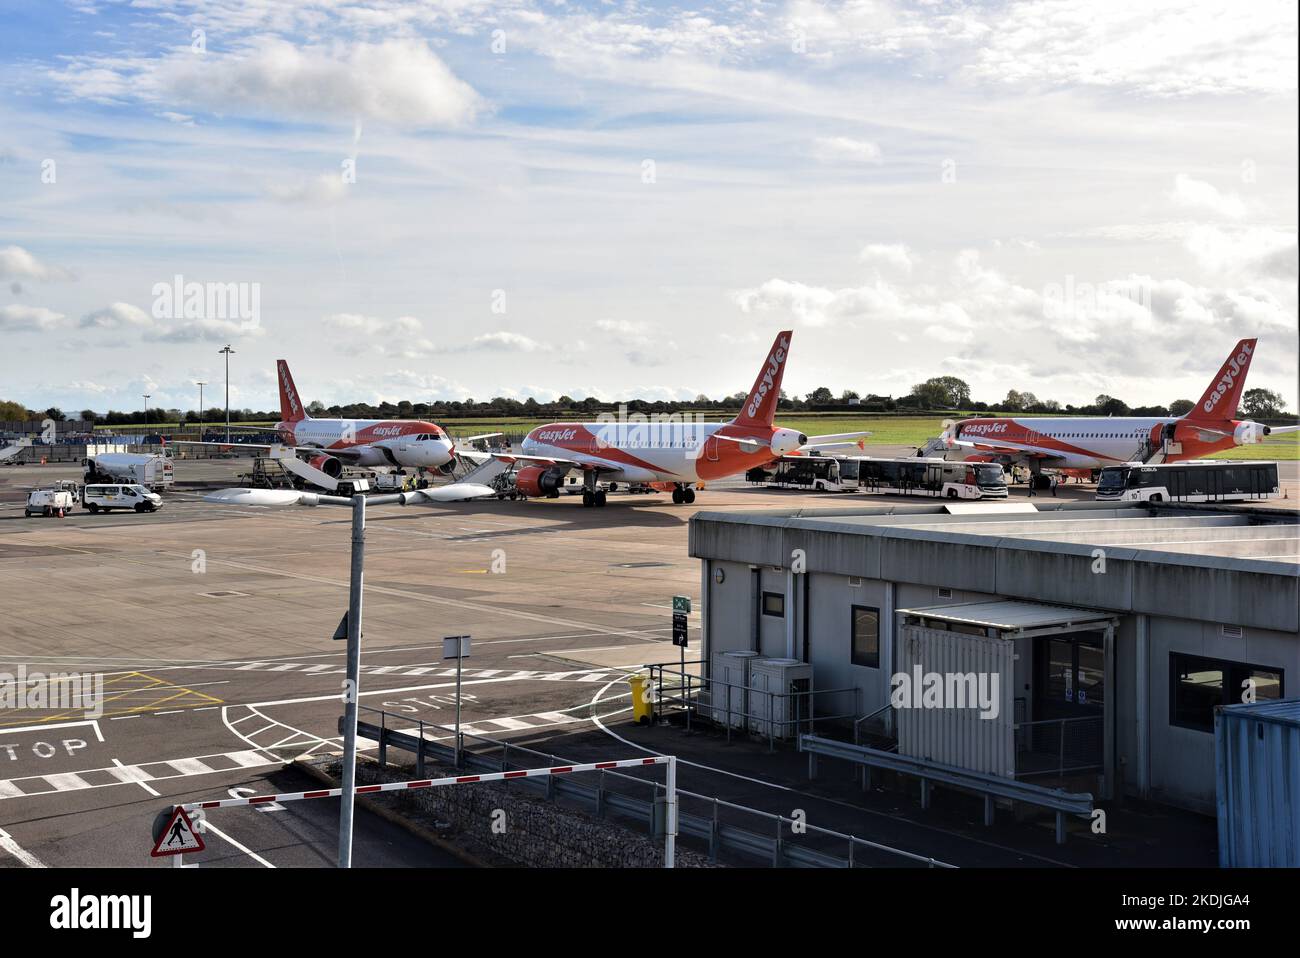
[[642, 712]]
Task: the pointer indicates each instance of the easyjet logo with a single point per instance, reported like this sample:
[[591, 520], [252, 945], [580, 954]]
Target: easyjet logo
[[556, 435], [1229, 381], [984, 428], [769, 376], [387, 430], [287, 385]]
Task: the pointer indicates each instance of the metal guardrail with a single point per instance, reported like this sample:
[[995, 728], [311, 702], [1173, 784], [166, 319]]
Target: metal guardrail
[[801, 705], [990, 786], [1060, 746], [791, 843]]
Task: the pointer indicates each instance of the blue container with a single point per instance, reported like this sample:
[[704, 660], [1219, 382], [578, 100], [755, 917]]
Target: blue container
[[1257, 764]]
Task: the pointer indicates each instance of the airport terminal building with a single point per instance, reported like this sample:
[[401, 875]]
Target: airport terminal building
[[1113, 631]]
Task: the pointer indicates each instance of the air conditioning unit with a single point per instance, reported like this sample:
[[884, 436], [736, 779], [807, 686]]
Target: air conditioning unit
[[778, 703], [727, 701]]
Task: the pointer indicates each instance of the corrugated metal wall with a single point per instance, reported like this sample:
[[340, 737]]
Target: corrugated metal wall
[[959, 737], [1257, 763]]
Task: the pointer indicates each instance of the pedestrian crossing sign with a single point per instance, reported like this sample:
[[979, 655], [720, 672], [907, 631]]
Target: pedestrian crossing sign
[[179, 837]]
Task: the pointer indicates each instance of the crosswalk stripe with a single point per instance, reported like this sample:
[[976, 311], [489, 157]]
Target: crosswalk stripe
[[129, 773], [67, 782], [10, 790], [248, 759], [510, 724], [189, 766]]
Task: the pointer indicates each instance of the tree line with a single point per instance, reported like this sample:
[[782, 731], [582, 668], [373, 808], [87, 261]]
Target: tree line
[[939, 394]]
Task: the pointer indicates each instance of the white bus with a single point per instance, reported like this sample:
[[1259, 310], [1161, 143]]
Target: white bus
[[1198, 480], [906, 476]]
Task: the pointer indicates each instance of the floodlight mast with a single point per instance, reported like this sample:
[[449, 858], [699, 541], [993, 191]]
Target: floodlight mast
[[356, 583]]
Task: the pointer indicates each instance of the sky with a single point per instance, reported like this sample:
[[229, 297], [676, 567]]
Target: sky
[[449, 199]]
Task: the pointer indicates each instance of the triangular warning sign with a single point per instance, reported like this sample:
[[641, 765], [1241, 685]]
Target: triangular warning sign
[[178, 837]]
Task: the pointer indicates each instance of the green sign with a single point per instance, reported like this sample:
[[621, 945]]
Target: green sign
[[681, 603]]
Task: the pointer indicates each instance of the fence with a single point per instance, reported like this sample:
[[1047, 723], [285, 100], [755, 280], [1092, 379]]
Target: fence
[[1060, 746], [788, 714], [717, 826]]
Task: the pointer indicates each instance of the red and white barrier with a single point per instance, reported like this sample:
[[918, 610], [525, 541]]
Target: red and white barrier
[[670, 838]]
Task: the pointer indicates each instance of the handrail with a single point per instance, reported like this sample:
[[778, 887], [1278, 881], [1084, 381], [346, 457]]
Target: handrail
[[715, 802]]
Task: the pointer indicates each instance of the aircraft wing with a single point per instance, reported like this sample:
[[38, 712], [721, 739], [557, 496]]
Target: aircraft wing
[[1004, 448], [486, 435], [274, 448]]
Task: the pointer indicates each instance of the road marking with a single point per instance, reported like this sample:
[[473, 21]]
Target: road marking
[[128, 773], [67, 782], [13, 848], [45, 728], [209, 827], [120, 774]]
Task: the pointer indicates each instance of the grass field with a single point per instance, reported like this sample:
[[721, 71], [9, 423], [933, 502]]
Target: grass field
[[885, 430]]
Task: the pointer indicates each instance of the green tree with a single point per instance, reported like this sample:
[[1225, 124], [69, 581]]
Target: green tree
[[1110, 406], [942, 392], [820, 396], [1262, 403], [1180, 407], [88, 415], [55, 413]]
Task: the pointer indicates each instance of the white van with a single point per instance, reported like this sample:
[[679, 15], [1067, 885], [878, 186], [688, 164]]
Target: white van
[[126, 496]]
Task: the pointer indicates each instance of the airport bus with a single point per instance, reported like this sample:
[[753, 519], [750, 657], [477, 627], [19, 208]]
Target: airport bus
[[1198, 480], [907, 476]]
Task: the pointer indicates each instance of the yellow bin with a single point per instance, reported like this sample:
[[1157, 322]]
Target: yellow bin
[[642, 711]]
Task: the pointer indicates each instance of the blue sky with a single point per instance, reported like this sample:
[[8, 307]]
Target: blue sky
[[629, 199]]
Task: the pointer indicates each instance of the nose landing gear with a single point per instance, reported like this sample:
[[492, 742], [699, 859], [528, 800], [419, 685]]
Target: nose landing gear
[[683, 495]]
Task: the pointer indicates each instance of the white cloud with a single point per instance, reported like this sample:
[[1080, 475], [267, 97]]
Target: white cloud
[[117, 316], [18, 263], [1199, 195], [504, 341], [1257, 252], [838, 149], [19, 318], [317, 191], [400, 81], [894, 255]]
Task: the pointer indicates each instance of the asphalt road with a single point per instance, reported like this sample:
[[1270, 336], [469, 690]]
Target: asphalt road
[[210, 628]]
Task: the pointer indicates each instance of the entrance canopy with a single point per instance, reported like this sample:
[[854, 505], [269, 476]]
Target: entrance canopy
[[1011, 617]]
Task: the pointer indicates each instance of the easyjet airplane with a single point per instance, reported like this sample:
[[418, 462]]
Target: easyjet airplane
[[1091, 443], [666, 455], [331, 444]]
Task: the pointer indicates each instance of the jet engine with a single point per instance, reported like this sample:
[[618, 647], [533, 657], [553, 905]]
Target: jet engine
[[786, 441], [327, 464], [538, 481]]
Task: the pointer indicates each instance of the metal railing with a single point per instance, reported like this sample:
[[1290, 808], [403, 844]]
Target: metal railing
[[713, 824], [991, 787], [1060, 746], [788, 714]]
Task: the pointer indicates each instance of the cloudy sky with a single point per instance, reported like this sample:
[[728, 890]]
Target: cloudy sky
[[448, 198]]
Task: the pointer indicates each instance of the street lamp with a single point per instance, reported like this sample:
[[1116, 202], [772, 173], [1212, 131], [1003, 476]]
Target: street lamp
[[357, 503], [146, 411], [456, 492], [200, 385], [227, 351]]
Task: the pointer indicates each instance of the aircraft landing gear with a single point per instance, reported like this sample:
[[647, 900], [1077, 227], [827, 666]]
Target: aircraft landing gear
[[683, 495], [592, 495]]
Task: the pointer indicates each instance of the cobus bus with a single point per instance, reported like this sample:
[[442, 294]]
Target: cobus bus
[[1198, 480], [907, 476]]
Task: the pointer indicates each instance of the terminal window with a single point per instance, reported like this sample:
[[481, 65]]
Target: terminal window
[[866, 636], [1198, 684], [774, 604]]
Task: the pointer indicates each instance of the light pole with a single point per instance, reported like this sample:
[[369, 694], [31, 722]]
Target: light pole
[[352, 689], [146, 411], [227, 350], [200, 385]]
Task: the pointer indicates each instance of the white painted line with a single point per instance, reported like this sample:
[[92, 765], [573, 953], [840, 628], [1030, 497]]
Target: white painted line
[[123, 718], [510, 724], [10, 790], [190, 766], [41, 728], [557, 717], [249, 759], [209, 827], [130, 773], [17, 851], [170, 712], [206, 708], [245, 718], [67, 782]]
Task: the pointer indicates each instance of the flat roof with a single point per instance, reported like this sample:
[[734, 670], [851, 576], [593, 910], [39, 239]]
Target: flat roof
[[1009, 614]]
